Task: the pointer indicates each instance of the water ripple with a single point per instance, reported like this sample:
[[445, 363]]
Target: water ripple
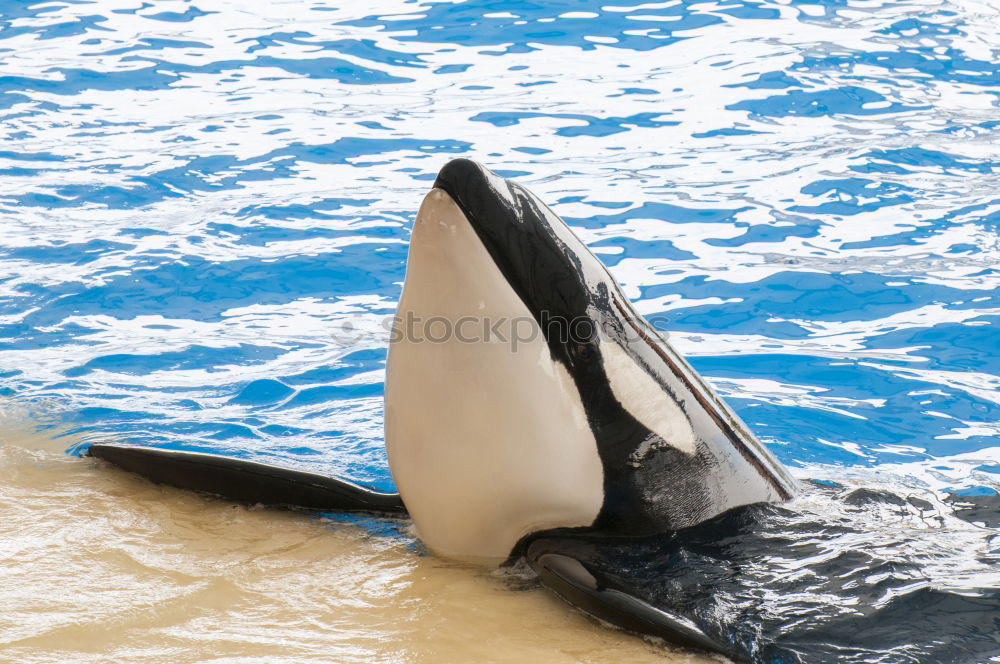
[[205, 209]]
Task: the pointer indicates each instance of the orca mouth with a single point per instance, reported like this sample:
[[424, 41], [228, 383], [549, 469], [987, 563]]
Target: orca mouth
[[483, 196], [549, 268]]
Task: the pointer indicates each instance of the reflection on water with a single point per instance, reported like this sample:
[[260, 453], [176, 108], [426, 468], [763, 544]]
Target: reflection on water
[[102, 566], [197, 199]]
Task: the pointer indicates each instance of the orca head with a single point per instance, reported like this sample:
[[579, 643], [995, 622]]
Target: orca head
[[523, 392]]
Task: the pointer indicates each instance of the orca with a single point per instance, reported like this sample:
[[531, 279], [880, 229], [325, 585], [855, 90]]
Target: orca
[[577, 415], [527, 404]]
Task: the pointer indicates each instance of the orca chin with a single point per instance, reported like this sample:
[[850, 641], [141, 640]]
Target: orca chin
[[575, 414]]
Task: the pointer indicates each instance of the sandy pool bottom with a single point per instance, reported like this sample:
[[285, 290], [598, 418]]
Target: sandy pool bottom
[[97, 565]]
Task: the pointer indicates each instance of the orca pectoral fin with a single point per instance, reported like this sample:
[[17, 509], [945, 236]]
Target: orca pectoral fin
[[584, 588], [247, 481]]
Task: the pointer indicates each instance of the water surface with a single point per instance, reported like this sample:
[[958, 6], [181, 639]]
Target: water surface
[[205, 209]]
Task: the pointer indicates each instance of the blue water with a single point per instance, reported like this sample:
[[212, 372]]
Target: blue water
[[205, 209]]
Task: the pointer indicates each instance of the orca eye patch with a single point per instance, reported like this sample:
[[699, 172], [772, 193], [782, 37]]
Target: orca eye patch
[[639, 394]]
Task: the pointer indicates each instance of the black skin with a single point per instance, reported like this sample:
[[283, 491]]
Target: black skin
[[247, 481]]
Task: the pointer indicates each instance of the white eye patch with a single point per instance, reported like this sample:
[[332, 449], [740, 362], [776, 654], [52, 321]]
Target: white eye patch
[[645, 399]]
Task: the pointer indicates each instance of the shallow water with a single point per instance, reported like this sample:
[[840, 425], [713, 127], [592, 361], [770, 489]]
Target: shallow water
[[204, 212], [102, 566]]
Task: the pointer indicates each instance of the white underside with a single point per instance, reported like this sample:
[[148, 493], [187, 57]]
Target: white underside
[[486, 442]]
